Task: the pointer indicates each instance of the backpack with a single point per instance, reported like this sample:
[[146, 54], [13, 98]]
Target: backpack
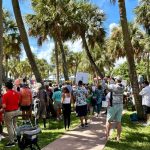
[[134, 117]]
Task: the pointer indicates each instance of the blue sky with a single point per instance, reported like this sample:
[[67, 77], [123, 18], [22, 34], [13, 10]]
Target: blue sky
[[112, 18]]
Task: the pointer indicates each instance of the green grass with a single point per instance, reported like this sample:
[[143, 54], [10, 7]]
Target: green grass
[[54, 130], [134, 137]]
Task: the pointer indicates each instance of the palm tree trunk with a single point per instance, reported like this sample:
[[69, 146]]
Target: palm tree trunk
[[64, 63], [1, 44], [148, 79], [3, 74], [130, 58], [59, 40], [25, 40], [6, 67], [57, 63], [90, 56]]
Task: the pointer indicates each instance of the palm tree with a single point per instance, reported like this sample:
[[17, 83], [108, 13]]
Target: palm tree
[[11, 41], [86, 21], [25, 40], [115, 42], [143, 15], [13, 68], [145, 42], [57, 63], [143, 18], [23, 68], [73, 61], [1, 44], [130, 56], [52, 24]]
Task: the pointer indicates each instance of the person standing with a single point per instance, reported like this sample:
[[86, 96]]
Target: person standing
[[43, 102], [99, 96], [89, 101], [57, 102], [115, 108], [25, 102], [66, 106], [145, 93], [10, 105], [80, 95]]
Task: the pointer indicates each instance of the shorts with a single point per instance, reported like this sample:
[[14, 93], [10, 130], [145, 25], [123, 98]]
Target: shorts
[[25, 108], [81, 111], [57, 105], [146, 109], [114, 113]]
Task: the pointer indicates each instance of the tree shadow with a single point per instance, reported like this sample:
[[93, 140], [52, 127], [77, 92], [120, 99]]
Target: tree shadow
[[134, 137], [85, 139]]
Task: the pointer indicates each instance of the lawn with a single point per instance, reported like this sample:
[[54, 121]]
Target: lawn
[[134, 136], [54, 130]]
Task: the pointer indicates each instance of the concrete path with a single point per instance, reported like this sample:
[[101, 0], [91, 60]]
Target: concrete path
[[89, 138]]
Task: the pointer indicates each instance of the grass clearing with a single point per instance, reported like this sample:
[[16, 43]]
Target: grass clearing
[[54, 130], [134, 136]]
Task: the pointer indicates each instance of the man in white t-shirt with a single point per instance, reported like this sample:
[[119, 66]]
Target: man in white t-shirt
[[145, 93]]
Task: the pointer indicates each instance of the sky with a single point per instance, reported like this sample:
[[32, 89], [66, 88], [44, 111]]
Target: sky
[[112, 19]]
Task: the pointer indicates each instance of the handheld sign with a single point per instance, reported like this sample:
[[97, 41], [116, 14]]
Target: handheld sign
[[82, 76]]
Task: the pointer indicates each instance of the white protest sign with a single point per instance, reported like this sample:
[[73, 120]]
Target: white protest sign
[[82, 76]]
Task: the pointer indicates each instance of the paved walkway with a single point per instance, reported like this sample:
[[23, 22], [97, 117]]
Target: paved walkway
[[90, 138]]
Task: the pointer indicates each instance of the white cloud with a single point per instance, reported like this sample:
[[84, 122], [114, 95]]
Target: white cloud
[[34, 49], [112, 25], [74, 46], [41, 52], [46, 49], [23, 55]]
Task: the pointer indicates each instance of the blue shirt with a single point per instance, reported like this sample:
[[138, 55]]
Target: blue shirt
[[57, 96]]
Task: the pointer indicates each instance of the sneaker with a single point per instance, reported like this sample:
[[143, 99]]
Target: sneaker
[[10, 145], [86, 125]]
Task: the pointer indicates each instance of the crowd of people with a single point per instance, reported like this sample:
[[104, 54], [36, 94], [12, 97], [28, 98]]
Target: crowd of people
[[58, 101]]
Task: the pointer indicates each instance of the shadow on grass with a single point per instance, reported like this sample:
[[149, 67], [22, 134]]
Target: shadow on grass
[[127, 122], [44, 139], [134, 137]]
